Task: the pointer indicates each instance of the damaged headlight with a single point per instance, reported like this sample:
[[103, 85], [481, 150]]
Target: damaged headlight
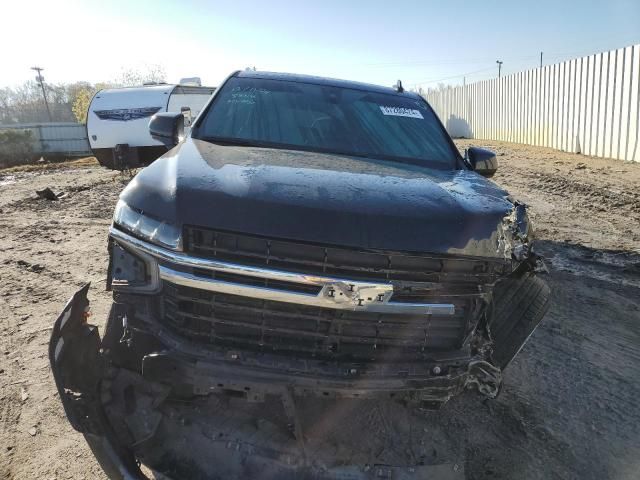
[[521, 232], [146, 227], [131, 271], [522, 223]]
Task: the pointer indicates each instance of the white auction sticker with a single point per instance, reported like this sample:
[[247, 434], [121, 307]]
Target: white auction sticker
[[401, 112]]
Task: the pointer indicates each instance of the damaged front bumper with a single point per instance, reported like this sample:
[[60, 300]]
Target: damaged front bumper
[[78, 368], [92, 390]]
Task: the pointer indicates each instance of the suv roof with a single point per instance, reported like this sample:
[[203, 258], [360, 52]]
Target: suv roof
[[294, 77]]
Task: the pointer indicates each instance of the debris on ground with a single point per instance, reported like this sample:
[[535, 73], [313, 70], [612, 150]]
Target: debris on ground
[[32, 267], [47, 194]]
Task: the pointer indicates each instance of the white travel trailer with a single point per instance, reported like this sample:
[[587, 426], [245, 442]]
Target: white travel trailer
[[118, 120]]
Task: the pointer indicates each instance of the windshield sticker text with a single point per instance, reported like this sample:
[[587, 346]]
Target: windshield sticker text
[[401, 112], [246, 95]]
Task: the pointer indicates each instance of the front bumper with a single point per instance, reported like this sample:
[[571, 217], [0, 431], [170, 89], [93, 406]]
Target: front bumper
[[78, 369], [84, 374]]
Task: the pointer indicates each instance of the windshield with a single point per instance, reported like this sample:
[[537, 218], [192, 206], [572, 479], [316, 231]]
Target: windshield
[[306, 116]]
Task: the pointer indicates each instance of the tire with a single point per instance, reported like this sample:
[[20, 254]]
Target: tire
[[519, 305]]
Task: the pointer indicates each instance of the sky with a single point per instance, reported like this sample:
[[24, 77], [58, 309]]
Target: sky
[[422, 43]]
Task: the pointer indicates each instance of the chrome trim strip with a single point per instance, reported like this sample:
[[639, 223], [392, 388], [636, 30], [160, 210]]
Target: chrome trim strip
[[319, 300], [336, 293], [180, 258]]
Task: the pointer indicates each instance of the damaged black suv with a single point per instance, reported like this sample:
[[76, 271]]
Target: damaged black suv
[[311, 242]]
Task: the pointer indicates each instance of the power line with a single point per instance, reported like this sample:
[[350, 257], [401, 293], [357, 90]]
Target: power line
[[589, 48], [423, 82], [585, 51], [456, 62], [552, 55]]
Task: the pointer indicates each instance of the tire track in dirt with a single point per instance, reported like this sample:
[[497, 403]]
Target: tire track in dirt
[[10, 406], [601, 197], [47, 249]]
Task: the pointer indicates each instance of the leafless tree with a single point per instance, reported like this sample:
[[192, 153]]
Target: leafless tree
[[139, 76], [68, 102]]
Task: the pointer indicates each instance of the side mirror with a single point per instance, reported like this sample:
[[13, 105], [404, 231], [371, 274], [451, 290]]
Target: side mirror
[[167, 128], [482, 161]]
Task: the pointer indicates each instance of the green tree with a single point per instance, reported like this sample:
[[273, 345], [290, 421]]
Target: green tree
[[81, 104], [81, 95]]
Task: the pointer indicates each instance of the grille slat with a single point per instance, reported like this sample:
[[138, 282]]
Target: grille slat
[[402, 339], [407, 333], [298, 313], [344, 262], [234, 321]]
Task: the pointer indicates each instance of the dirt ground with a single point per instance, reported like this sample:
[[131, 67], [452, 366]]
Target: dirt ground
[[570, 406]]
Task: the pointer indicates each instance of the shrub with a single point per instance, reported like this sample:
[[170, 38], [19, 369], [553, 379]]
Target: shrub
[[16, 147]]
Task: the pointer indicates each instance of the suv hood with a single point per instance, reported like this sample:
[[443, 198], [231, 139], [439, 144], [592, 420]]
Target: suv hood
[[327, 199]]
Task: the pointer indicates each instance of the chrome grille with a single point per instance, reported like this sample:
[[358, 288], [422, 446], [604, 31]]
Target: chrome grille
[[231, 299]]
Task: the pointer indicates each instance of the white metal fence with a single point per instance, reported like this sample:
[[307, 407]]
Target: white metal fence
[[57, 138], [587, 105]]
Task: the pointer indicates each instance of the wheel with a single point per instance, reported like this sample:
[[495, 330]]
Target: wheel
[[518, 307]]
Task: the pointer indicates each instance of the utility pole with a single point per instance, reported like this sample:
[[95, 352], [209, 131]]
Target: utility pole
[[40, 80], [540, 59], [499, 62]]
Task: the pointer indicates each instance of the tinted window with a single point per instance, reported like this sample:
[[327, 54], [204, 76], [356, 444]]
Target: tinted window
[[315, 117]]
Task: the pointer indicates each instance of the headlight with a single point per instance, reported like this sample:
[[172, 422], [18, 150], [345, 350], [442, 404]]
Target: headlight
[[133, 272], [148, 228]]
